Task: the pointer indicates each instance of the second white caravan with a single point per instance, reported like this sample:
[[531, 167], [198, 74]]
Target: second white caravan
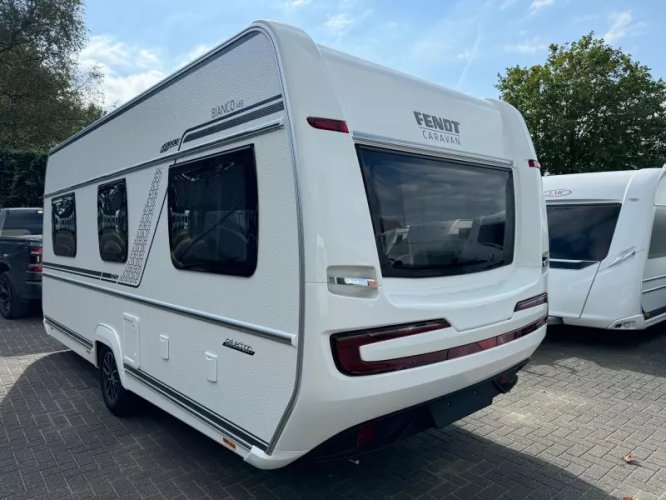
[[608, 248], [294, 250]]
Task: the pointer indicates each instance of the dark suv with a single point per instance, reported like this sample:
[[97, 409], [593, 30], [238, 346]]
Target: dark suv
[[20, 260]]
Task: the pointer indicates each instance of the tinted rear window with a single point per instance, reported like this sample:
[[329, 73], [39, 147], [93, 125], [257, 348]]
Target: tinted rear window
[[22, 223], [435, 217], [581, 232]]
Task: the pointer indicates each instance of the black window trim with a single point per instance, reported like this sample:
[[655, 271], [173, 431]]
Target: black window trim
[[181, 166], [122, 180], [466, 162], [583, 203], [53, 229], [650, 255]]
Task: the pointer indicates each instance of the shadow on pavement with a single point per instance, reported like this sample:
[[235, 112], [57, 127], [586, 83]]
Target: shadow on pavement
[[57, 438], [642, 351]]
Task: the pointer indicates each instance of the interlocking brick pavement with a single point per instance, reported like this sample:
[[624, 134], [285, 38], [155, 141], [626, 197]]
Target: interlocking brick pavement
[[586, 399]]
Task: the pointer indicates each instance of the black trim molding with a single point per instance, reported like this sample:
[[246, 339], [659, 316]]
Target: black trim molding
[[559, 264], [79, 271], [226, 123], [69, 332], [197, 410]]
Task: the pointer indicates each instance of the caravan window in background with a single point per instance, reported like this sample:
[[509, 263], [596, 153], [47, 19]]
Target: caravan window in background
[[63, 223], [581, 232], [658, 239], [213, 214], [112, 221], [436, 217]]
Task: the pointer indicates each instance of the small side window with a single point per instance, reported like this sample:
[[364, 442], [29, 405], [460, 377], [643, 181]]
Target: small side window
[[112, 221], [213, 210], [63, 223], [658, 239]]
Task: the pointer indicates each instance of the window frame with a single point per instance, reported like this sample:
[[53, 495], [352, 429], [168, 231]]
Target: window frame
[[250, 178], [101, 187], [574, 203], [53, 225], [415, 273]]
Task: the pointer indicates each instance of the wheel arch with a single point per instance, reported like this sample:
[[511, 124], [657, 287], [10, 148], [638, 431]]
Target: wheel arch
[[106, 336]]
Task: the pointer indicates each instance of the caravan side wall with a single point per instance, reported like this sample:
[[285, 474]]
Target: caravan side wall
[[216, 350], [653, 297]]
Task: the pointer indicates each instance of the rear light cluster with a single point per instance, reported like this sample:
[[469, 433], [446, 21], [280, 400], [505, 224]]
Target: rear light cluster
[[328, 124], [532, 302], [35, 260], [347, 346]]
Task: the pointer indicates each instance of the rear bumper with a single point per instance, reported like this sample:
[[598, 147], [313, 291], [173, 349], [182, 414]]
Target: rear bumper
[[329, 402], [438, 412], [32, 290]]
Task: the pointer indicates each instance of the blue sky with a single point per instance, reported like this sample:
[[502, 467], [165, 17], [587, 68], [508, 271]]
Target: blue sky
[[461, 44]]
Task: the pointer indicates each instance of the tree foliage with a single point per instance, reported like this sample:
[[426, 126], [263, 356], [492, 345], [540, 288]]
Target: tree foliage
[[22, 179], [590, 108], [44, 97]]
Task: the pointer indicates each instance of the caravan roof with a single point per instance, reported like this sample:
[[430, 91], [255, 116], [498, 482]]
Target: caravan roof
[[599, 186]]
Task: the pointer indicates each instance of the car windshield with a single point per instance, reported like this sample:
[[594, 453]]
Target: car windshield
[[22, 223], [436, 217], [581, 231]]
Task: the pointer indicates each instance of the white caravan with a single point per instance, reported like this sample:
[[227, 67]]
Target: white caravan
[[607, 248], [265, 246]]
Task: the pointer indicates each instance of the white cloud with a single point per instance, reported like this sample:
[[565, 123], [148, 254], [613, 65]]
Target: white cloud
[[299, 3], [540, 4], [620, 25], [126, 70], [531, 46], [338, 23]]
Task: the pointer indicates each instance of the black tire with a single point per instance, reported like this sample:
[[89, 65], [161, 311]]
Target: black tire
[[11, 305], [117, 399]]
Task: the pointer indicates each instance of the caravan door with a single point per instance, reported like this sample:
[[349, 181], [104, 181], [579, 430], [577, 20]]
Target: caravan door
[[580, 236]]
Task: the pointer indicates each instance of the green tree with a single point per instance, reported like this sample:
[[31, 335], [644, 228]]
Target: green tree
[[590, 108], [44, 97]]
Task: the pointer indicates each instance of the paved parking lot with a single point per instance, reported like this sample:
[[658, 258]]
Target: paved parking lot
[[586, 400]]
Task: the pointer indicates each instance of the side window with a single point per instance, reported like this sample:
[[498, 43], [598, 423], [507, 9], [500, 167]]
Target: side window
[[658, 240], [112, 221], [63, 224], [213, 214]]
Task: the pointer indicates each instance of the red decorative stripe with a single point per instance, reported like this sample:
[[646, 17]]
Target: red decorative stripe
[[347, 350]]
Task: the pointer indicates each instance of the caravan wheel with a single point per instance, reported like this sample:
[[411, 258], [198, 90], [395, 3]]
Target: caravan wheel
[[117, 399]]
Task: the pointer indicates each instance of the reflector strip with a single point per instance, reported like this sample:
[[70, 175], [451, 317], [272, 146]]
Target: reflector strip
[[328, 124], [347, 351], [532, 302]]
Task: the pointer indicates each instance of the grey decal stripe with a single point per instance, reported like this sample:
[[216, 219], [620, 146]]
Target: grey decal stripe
[[259, 113], [136, 262], [229, 115], [69, 332], [198, 410]]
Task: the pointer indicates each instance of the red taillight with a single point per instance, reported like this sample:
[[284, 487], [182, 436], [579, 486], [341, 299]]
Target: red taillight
[[35, 260], [533, 164], [328, 124], [532, 302], [347, 347]]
